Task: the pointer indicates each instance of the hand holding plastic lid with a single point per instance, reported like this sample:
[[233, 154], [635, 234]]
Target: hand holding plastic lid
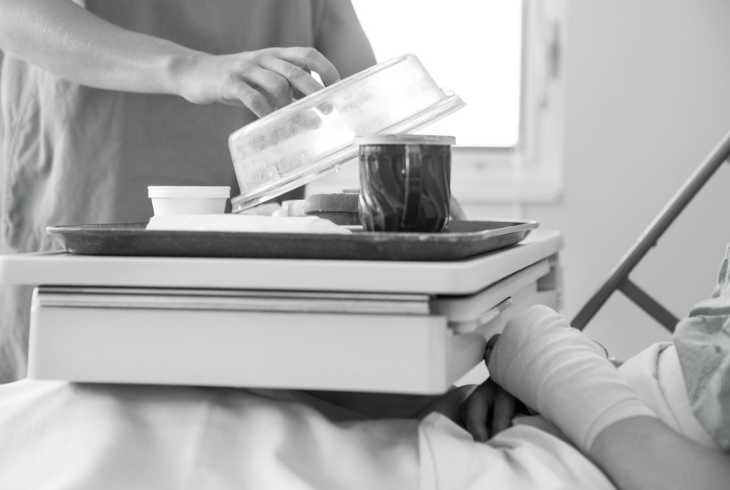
[[314, 135]]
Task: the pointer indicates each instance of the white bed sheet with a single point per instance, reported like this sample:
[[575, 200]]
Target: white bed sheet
[[58, 435]]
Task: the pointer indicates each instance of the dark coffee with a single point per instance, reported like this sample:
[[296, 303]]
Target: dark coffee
[[405, 183]]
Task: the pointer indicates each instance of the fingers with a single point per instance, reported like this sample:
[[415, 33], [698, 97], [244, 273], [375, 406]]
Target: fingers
[[476, 410], [268, 79], [252, 99], [261, 80], [273, 86], [503, 411], [309, 59], [297, 77]]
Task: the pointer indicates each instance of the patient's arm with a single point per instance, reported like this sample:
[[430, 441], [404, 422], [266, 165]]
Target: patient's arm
[[560, 372], [643, 453]]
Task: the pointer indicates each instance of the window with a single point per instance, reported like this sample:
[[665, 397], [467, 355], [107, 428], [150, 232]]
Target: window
[[474, 49], [503, 58]]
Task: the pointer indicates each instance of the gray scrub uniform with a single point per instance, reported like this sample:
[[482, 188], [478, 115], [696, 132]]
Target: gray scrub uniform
[[73, 154]]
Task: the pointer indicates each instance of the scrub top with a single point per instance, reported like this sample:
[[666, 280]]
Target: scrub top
[[72, 154]]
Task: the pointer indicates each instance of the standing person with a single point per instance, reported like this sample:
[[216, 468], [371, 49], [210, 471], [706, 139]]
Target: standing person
[[101, 98]]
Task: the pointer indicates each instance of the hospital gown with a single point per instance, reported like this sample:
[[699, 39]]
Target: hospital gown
[[703, 348]]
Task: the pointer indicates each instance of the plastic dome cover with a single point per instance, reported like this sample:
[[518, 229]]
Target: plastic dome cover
[[315, 135]]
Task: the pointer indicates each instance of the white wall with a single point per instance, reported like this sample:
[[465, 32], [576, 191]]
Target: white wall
[[648, 95]]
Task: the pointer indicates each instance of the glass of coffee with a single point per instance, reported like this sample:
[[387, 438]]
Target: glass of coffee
[[405, 182]]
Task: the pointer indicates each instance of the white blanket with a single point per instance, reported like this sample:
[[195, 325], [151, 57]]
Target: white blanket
[[56, 435]]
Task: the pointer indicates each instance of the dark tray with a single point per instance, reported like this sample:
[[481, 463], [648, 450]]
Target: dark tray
[[461, 240]]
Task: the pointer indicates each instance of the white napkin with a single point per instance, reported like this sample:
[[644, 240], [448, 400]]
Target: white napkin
[[244, 223]]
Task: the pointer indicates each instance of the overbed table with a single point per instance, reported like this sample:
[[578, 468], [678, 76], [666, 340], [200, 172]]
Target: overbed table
[[279, 323]]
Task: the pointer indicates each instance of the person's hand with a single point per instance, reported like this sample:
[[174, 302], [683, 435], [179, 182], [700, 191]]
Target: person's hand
[[488, 411], [261, 81], [482, 410], [562, 374]]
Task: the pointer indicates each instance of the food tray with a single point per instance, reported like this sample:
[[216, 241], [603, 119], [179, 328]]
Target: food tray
[[462, 239]]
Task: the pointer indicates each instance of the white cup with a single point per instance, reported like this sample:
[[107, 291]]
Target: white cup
[[173, 200]]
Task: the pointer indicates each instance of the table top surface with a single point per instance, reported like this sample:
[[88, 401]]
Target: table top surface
[[448, 278]]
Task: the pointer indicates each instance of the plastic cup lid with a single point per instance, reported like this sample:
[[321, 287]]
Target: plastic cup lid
[[188, 191], [405, 139]]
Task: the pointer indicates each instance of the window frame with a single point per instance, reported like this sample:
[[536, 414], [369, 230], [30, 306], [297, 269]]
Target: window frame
[[531, 171]]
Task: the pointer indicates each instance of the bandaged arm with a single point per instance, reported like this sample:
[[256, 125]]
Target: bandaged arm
[[565, 376]]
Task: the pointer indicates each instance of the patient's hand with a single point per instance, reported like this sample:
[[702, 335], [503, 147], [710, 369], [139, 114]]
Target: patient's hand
[[488, 411], [482, 410]]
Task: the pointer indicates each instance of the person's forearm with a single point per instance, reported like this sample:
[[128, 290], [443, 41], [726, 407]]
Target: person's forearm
[[74, 44], [642, 453]]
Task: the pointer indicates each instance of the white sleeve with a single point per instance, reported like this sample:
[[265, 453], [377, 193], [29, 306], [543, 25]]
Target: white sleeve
[[517, 458]]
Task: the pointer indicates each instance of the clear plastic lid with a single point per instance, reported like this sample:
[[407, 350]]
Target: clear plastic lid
[[315, 135], [406, 139]]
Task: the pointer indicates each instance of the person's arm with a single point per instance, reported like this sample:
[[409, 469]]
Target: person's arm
[[74, 44], [562, 374], [341, 38], [643, 453]]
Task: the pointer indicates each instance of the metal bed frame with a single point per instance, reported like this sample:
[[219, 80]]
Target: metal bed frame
[[619, 278]]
